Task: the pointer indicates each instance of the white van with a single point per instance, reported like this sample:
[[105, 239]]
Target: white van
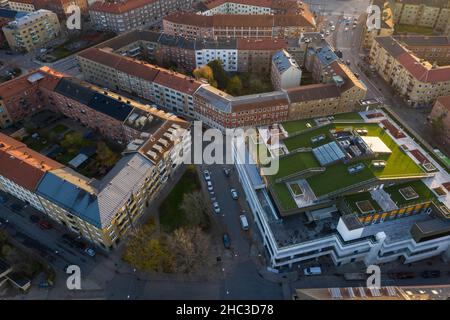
[[244, 222], [312, 271]]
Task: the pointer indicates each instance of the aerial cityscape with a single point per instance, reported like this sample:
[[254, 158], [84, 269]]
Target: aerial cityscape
[[225, 150]]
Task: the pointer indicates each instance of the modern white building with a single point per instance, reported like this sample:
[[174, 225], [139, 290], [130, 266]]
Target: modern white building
[[228, 57], [324, 229], [285, 72]]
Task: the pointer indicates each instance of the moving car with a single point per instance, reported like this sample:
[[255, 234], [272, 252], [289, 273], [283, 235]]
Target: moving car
[[312, 271], [216, 207], [226, 241], [207, 175], [226, 171], [234, 194]]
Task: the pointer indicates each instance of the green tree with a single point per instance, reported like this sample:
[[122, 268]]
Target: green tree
[[234, 86], [219, 73], [72, 139], [146, 251], [105, 155]]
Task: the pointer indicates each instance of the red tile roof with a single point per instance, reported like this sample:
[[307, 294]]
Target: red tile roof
[[119, 7], [177, 81], [261, 44], [240, 20], [22, 165]]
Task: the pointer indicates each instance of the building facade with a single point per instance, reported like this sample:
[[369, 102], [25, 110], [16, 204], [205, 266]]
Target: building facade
[[440, 115], [101, 211], [32, 31], [120, 16], [285, 72], [420, 81]]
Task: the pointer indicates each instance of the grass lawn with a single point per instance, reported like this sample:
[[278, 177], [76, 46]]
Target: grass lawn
[[296, 163], [284, 196], [401, 28], [58, 129], [297, 125], [304, 140], [419, 187], [171, 216], [363, 196]]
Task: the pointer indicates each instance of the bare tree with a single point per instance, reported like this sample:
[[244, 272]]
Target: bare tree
[[190, 249], [196, 209]]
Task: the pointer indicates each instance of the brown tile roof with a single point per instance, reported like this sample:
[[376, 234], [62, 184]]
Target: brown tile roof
[[261, 44], [16, 86], [142, 70], [118, 7], [177, 81], [347, 75], [52, 78], [239, 20], [313, 92], [445, 101], [274, 4], [21, 164]]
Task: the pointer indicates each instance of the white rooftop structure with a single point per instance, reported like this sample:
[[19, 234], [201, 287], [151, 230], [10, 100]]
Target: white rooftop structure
[[376, 145]]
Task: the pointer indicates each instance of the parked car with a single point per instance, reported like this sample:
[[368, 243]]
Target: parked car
[[431, 274], [226, 241], [34, 218], [312, 271], [90, 252], [348, 62], [210, 186], [333, 28], [207, 175], [44, 224], [16, 207], [3, 199], [244, 222], [216, 207], [234, 194], [401, 275]]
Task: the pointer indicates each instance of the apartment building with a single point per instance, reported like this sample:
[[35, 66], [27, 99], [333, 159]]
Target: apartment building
[[433, 14], [386, 27], [32, 31], [168, 89], [255, 55], [195, 26], [120, 16], [213, 7], [225, 51], [285, 72], [100, 210], [418, 80], [22, 5], [21, 170], [441, 115], [252, 55]]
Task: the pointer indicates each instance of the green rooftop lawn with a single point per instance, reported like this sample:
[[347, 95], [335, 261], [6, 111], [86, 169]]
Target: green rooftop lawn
[[284, 196], [336, 176], [304, 140], [298, 125], [296, 163], [419, 187], [362, 196]]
